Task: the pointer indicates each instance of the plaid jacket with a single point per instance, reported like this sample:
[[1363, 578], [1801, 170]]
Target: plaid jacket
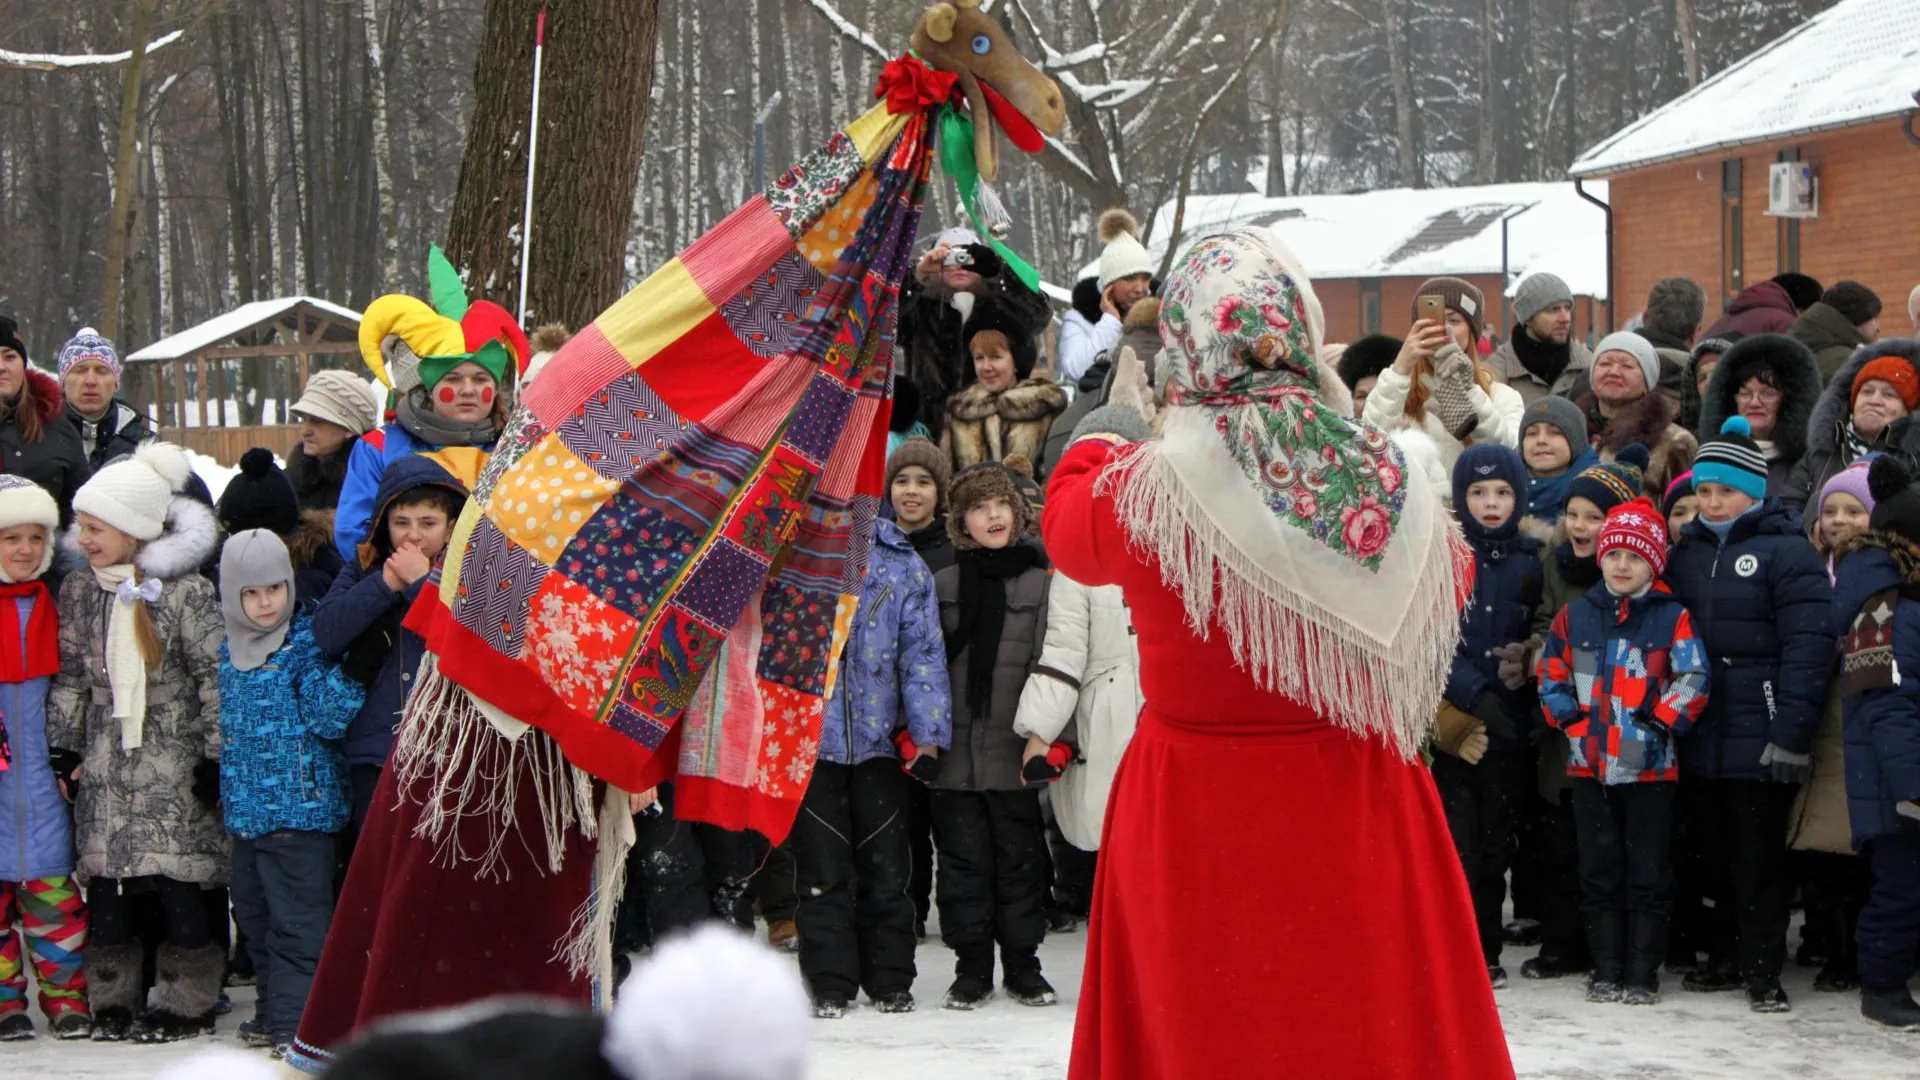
[[1623, 679]]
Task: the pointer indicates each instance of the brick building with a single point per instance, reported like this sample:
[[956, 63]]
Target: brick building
[[1368, 252], [1688, 183]]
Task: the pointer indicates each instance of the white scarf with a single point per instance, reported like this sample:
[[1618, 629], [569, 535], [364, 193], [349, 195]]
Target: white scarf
[[126, 667]]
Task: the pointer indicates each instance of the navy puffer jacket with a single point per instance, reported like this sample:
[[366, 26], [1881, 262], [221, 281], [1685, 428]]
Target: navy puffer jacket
[[1761, 604], [1882, 715]]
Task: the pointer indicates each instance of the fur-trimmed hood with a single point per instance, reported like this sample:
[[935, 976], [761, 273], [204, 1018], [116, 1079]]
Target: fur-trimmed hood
[[1834, 410], [1904, 552], [48, 399], [1645, 422], [315, 533], [1796, 372], [191, 539], [1029, 399]]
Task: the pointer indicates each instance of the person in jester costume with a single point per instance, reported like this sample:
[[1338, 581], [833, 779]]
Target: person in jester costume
[[659, 563], [451, 369]]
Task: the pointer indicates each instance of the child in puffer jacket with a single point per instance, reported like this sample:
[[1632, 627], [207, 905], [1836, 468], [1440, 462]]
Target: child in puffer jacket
[[1761, 601], [283, 782], [850, 845], [1623, 675], [36, 834]]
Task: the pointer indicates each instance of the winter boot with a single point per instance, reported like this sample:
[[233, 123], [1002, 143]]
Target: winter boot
[[253, 1034], [1842, 973], [1607, 940], [71, 1025], [1497, 976], [1712, 977], [973, 981], [1895, 1008], [893, 1001], [1554, 965], [185, 994], [1028, 987], [1764, 995], [830, 1005], [1521, 932], [1646, 947], [16, 1027], [784, 935], [114, 990]]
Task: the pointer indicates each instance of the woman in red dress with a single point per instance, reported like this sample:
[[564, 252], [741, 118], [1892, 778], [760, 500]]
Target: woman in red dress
[[1277, 892]]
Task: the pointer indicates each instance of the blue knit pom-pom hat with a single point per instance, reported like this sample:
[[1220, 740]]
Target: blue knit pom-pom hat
[[1732, 459]]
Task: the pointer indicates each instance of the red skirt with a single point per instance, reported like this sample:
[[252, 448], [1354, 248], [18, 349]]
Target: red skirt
[[411, 934], [1280, 905]]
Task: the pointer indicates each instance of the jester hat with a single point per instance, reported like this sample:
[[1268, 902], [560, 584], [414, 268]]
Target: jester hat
[[409, 345]]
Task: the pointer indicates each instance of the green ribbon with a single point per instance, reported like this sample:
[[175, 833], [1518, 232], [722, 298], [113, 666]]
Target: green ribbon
[[956, 159]]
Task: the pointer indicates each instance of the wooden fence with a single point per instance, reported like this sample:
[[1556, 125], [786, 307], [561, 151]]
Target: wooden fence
[[227, 444]]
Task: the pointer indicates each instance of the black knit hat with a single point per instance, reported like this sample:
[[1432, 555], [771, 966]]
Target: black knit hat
[[992, 314], [1367, 358], [10, 337], [1896, 507], [1855, 302], [1801, 289], [1611, 483], [260, 497]]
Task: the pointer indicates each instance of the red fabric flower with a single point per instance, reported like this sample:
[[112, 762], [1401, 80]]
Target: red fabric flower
[[1366, 528], [909, 85]]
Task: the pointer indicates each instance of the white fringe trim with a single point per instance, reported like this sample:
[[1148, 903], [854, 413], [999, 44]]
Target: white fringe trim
[[1288, 643], [587, 948]]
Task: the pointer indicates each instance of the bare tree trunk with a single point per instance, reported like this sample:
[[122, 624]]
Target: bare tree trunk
[[382, 144], [1403, 101], [1486, 157], [594, 97], [124, 138], [1689, 46]]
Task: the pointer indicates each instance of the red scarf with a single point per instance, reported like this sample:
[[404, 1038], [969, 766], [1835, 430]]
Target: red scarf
[[41, 657]]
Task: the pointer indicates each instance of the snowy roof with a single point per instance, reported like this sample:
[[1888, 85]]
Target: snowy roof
[[1404, 232], [1854, 63], [221, 328]]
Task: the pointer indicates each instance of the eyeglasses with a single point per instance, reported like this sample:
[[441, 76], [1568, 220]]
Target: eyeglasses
[[1761, 394]]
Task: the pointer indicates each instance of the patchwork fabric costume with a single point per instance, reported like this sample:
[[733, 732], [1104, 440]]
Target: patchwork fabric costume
[[660, 563]]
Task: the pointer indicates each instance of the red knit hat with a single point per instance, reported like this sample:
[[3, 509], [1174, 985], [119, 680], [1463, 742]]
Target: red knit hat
[[1639, 527], [1896, 370]]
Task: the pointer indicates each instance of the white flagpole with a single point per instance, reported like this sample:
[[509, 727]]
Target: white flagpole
[[533, 148]]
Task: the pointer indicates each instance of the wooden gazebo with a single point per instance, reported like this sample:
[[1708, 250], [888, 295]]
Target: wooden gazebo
[[228, 384]]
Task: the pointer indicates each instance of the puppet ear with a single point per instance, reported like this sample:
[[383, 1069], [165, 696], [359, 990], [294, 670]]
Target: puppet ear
[[443, 282], [940, 22], [487, 321]]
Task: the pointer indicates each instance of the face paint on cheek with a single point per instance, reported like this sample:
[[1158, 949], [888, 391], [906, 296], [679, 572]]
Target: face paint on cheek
[[447, 395], [486, 396]]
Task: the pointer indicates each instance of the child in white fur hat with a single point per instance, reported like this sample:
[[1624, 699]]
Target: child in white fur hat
[[135, 711]]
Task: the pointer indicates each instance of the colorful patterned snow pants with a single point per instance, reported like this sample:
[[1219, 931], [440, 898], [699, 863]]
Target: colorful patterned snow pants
[[55, 922]]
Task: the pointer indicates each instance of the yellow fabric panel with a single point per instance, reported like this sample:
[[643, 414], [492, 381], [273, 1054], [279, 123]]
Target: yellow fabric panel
[[654, 313], [457, 552], [875, 130], [426, 331], [822, 244], [465, 463], [547, 497]]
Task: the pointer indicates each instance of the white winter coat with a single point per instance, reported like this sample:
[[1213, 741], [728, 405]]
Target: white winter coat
[[1500, 412], [1088, 676]]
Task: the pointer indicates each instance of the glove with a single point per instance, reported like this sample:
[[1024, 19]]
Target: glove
[[1460, 734], [1909, 815], [1492, 712], [206, 783], [922, 767], [1514, 672], [1788, 767], [1450, 391], [64, 764], [1113, 420], [1046, 768]]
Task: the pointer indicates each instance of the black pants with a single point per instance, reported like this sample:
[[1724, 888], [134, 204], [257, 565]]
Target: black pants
[[1479, 802], [1626, 842], [113, 920], [920, 839], [690, 872], [1533, 853], [1890, 923], [1071, 870], [283, 900], [993, 878], [853, 863], [1738, 830], [364, 779], [775, 887], [1556, 846], [1833, 889]]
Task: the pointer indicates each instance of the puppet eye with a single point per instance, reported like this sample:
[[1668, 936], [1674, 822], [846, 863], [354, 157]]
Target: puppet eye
[[982, 45]]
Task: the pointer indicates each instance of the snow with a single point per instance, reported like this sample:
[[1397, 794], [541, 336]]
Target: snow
[[53, 61], [1551, 1030], [1368, 234], [214, 474], [1856, 62], [220, 328]]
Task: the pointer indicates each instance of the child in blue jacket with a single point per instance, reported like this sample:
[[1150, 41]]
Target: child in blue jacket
[[1877, 611], [283, 783], [1623, 675], [37, 885], [1760, 599]]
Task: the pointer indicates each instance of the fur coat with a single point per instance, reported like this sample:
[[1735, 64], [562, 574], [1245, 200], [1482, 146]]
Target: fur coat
[[987, 426], [1798, 377], [135, 814], [1650, 423]]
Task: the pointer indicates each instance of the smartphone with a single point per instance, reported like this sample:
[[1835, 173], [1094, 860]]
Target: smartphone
[[1432, 307]]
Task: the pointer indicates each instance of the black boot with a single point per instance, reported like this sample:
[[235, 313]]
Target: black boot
[[1607, 940], [1646, 947], [1713, 977], [113, 988], [185, 994], [1842, 973], [1894, 1008], [973, 978]]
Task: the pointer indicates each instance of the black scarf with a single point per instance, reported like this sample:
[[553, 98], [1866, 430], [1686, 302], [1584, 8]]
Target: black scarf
[[983, 614], [1578, 572], [1544, 359], [317, 481]]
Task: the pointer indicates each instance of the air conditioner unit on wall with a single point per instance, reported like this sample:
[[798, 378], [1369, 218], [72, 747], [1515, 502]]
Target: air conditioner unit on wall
[[1792, 190]]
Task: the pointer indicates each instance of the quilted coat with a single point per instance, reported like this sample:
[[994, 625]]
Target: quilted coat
[[281, 725], [136, 815], [893, 671], [987, 756]]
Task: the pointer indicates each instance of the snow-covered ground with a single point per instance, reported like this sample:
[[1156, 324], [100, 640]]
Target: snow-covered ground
[[1552, 1030]]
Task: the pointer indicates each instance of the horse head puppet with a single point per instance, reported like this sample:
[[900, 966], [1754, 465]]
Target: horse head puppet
[[1002, 88]]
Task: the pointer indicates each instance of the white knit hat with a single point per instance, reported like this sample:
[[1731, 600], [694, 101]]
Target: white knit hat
[[340, 398], [1123, 256], [23, 502], [133, 494]]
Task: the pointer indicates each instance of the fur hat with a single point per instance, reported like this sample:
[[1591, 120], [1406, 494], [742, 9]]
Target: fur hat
[[990, 313], [10, 337], [1461, 296], [1366, 357], [1675, 307], [260, 497], [1611, 483], [1536, 293], [975, 485], [922, 452], [1563, 415], [1123, 256], [87, 345], [1639, 527], [1896, 506], [1635, 346], [1801, 289], [340, 398], [23, 502], [135, 494], [1732, 459], [1855, 302], [1086, 298]]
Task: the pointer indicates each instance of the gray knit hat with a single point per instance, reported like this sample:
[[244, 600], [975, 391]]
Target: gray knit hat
[[1536, 293], [339, 398], [1562, 414], [1635, 346]]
